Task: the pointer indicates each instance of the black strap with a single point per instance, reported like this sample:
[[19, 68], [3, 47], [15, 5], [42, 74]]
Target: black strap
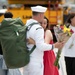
[[32, 49], [1, 50], [28, 28]]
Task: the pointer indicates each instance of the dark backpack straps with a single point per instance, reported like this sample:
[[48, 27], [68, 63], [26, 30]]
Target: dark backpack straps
[[32, 49], [29, 26], [1, 49]]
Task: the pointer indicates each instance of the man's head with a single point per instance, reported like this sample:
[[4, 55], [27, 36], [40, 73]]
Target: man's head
[[38, 12], [8, 15]]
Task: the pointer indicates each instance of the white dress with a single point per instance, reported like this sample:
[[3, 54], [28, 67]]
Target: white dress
[[62, 69]]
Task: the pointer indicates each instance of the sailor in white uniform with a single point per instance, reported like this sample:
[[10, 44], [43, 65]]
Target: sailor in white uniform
[[36, 32]]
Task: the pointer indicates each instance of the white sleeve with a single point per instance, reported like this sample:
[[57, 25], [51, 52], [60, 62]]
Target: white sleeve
[[39, 40], [70, 41]]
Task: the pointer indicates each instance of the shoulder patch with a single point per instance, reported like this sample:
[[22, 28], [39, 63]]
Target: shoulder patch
[[38, 28]]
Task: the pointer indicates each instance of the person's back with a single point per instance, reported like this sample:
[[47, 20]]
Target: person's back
[[3, 67], [7, 15], [5, 70]]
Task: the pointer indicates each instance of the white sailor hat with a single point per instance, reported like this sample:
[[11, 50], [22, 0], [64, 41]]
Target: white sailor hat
[[38, 9]]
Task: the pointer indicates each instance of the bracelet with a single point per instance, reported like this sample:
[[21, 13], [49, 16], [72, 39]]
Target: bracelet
[[52, 47]]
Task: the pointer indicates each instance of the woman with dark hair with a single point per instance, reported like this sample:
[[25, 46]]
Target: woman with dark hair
[[69, 48], [49, 56]]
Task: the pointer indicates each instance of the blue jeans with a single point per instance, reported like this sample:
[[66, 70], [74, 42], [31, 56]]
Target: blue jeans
[[3, 72], [1, 63]]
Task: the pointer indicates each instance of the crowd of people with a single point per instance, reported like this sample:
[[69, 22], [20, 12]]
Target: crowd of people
[[43, 57]]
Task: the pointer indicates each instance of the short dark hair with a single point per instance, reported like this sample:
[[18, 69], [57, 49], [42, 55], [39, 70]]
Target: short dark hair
[[8, 15], [35, 13]]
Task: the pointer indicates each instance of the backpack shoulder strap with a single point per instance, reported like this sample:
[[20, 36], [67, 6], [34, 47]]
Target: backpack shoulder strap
[[28, 28], [32, 49]]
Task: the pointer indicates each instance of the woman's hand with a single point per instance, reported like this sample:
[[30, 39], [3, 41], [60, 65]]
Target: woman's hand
[[30, 41]]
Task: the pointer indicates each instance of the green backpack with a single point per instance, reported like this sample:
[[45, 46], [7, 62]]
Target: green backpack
[[13, 41]]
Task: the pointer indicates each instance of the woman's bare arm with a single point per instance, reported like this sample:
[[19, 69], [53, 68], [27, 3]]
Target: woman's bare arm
[[48, 36]]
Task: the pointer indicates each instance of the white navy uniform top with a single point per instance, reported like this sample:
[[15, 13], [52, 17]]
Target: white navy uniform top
[[70, 52], [36, 32]]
